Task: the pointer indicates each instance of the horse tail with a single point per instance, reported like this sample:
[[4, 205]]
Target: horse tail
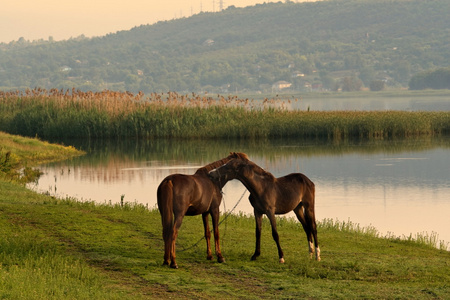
[[165, 206], [310, 215], [310, 186]]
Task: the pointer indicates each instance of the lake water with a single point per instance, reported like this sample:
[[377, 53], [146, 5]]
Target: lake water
[[416, 103], [401, 187]]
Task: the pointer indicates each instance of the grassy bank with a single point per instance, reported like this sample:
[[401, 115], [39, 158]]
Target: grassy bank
[[19, 154], [53, 249], [30, 151], [64, 249], [55, 114]]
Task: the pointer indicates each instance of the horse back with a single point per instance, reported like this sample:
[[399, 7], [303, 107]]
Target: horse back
[[190, 194], [297, 178], [298, 183]]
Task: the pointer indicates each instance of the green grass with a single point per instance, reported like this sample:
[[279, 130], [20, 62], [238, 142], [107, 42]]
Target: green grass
[[33, 151], [19, 154], [115, 115], [63, 248]]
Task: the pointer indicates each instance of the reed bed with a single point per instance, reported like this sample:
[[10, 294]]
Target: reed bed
[[55, 114]]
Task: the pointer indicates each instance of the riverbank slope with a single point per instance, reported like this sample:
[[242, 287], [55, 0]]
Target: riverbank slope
[[61, 248]]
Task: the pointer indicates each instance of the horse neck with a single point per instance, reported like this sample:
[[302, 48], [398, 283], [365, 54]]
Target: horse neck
[[212, 166], [254, 183], [221, 182]]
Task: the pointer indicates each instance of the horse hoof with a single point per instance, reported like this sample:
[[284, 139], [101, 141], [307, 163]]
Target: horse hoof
[[281, 260], [174, 266], [253, 257], [221, 259], [166, 263], [209, 257]]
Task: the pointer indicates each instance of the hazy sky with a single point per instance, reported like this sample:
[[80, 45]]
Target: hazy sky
[[62, 19]]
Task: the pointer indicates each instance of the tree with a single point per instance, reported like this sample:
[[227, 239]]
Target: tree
[[437, 79], [350, 84], [327, 81], [353, 61], [402, 71], [264, 43], [367, 75], [376, 85]]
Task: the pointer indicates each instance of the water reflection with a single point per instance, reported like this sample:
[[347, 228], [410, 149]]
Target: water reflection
[[398, 186], [415, 103]]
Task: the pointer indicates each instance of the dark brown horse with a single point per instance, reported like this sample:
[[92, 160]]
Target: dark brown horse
[[180, 195], [271, 196]]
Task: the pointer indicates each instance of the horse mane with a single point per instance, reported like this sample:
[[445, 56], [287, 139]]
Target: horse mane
[[221, 162]]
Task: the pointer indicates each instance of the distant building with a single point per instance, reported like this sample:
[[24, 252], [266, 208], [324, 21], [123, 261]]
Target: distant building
[[280, 85], [297, 74], [208, 42], [65, 69]]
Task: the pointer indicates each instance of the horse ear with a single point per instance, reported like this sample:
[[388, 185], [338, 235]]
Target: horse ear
[[242, 155]]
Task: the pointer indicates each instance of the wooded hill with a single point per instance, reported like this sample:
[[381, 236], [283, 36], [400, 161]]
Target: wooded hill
[[312, 45]]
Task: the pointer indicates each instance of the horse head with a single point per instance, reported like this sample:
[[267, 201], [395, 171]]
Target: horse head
[[229, 171]]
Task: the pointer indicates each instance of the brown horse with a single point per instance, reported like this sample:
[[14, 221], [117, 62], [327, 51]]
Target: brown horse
[[180, 195], [271, 196]]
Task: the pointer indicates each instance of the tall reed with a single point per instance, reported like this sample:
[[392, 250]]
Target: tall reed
[[108, 114]]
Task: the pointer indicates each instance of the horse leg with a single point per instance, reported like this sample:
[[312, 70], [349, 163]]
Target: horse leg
[[176, 227], [165, 206], [167, 247], [258, 221], [167, 236], [311, 221], [215, 221], [275, 236], [207, 236], [301, 217]]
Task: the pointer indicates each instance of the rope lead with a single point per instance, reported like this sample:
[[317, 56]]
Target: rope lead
[[226, 216]]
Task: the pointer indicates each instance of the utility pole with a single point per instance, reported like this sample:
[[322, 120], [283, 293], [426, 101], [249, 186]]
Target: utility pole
[[220, 5]]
